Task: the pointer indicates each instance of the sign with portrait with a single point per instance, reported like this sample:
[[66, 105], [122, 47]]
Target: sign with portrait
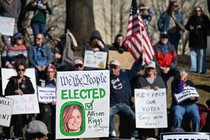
[[95, 59], [7, 26], [126, 59], [187, 93], [82, 104], [26, 103], [185, 136], [6, 106], [151, 108], [46, 94]]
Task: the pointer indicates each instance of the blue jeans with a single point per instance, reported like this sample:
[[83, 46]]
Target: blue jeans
[[198, 60], [38, 27], [125, 109], [191, 111]]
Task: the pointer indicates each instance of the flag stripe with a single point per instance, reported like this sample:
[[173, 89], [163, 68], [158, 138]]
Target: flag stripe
[[137, 38]]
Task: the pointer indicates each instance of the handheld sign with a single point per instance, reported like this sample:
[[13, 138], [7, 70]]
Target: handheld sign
[[151, 108], [126, 59], [184, 136], [95, 59], [7, 26], [46, 94], [82, 104], [187, 93], [6, 111]]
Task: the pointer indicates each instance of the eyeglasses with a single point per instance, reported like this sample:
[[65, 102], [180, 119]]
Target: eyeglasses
[[150, 68], [164, 37], [78, 65], [21, 70], [113, 67]]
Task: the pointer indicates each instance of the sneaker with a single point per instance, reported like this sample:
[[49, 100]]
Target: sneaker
[[112, 134]]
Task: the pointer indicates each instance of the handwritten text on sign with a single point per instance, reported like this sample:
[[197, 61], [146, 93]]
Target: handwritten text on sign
[[95, 59], [150, 108], [88, 91], [185, 136], [46, 94], [7, 25], [25, 104], [6, 111], [187, 93]]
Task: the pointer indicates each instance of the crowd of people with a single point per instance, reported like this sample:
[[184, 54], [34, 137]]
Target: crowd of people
[[171, 24]]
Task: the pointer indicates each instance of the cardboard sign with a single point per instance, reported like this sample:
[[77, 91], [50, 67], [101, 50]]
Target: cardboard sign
[[46, 94], [126, 59], [6, 111], [187, 93], [82, 106], [151, 108], [95, 59], [7, 26], [25, 104], [185, 136]]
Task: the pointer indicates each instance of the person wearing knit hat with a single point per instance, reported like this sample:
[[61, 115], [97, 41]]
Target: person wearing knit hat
[[95, 44], [36, 130]]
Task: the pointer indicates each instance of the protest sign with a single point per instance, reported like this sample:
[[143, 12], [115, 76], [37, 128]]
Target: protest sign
[[7, 26], [46, 94], [85, 93], [187, 93], [27, 103], [150, 108], [185, 136], [95, 59], [6, 111], [126, 59]]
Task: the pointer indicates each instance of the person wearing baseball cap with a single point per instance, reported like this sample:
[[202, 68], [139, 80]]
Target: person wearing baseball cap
[[78, 65], [36, 130], [120, 93], [150, 80]]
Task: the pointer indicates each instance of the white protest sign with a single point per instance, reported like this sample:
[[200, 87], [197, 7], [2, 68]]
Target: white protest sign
[[82, 104], [185, 136], [28, 103], [187, 93], [25, 104], [46, 94], [95, 59], [150, 108], [7, 26], [6, 111]]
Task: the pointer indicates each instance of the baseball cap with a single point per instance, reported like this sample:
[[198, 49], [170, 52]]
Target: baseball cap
[[164, 34], [114, 62], [78, 61], [150, 64], [36, 126], [18, 35]]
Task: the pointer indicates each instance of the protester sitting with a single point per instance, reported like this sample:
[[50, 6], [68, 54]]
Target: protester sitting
[[39, 56], [118, 44], [120, 93], [36, 130], [186, 107], [166, 57], [15, 51], [150, 80]]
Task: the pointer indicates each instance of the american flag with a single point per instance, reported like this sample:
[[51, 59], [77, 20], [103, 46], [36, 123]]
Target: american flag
[[137, 38]]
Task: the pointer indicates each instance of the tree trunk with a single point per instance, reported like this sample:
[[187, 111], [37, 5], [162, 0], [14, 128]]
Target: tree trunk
[[80, 19]]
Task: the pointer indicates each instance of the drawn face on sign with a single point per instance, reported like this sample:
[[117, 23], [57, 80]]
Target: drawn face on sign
[[74, 123]]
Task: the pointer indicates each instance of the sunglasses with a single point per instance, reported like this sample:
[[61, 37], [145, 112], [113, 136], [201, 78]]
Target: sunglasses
[[78, 65], [164, 36], [21, 69], [175, 5], [113, 67]]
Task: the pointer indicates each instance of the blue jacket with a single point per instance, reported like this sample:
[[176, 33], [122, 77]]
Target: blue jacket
[[125, 77], [45, 59], [163, 21]]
